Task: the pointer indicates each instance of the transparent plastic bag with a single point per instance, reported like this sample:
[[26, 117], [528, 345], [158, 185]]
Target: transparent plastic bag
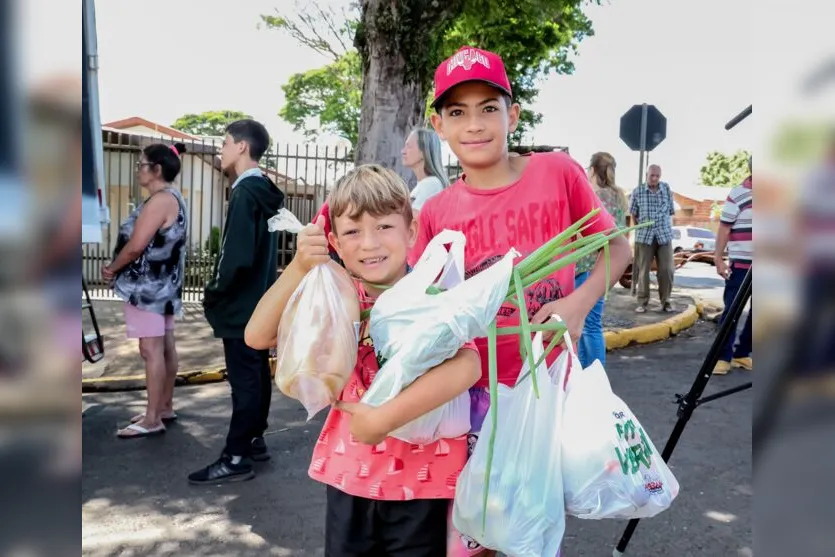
[[610, 467], [316, 349], [525, 514], [414, 331]]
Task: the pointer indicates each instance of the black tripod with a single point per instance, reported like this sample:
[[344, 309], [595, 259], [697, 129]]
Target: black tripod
[[693, 399]]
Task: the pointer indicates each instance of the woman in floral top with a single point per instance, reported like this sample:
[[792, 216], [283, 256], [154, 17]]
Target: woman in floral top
[[592, 346]]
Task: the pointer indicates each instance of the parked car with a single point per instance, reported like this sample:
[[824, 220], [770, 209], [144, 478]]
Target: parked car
[[692, 238]]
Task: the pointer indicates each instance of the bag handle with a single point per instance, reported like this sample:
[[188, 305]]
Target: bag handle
[[453, 271], [575, 360], [439, 265], [569, 344], [284, 221]]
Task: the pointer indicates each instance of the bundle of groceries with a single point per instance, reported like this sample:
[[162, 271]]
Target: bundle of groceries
[[539, 457]]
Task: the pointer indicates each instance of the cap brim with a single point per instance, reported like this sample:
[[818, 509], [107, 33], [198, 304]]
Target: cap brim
[[446, 93]]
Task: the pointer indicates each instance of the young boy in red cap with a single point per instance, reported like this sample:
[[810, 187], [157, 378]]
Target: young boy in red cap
[[504, 201]]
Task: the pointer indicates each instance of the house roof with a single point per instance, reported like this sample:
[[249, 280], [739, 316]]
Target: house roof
[[116, 135], [704, 193], [138, 121]]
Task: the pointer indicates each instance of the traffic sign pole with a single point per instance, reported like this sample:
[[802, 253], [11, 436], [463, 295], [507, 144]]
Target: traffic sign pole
[[643, 142], [640, 179]]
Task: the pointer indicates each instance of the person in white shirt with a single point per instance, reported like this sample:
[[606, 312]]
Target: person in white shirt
[[422, 153]]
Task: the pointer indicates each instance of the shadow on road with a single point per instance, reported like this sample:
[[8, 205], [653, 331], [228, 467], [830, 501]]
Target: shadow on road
[[136, 497]]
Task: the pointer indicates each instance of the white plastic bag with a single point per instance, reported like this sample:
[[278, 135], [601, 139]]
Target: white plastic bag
[[610, 467], [316, 348], [525, 515], [414, 331]]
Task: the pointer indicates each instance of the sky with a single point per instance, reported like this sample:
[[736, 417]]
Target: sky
[[160, 59]]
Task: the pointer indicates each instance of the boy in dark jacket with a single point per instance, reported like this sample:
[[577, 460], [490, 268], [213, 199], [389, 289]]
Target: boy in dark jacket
[[245, 269]]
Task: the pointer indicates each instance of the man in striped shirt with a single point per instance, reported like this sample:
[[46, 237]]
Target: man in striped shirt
[[735, 232]]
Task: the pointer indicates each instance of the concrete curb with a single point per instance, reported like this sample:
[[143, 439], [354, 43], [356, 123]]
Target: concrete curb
[[137, 382], [643, 334], [655, 332]]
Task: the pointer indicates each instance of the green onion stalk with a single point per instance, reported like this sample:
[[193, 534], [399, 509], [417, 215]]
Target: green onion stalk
[[561, 251]]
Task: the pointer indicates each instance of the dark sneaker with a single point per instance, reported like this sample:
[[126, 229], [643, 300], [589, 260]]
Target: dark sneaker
[[222, 471], [259, 450]]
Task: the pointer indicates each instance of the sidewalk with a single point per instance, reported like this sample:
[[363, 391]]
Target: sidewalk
[[199, 351]]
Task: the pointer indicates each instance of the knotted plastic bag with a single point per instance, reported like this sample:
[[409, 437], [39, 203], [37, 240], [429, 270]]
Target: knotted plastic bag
[[424, 320], [317, 337]]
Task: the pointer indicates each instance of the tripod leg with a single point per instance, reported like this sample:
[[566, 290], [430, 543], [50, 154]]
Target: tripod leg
[[689, 402]]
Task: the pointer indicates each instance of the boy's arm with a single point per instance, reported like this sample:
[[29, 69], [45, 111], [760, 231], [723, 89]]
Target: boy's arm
[[311, 249], [574, 308], [595, 286], [237, 251], [436, 387], [262, 329]]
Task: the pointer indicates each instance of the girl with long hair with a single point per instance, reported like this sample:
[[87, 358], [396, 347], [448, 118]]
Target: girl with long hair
[[601, 171]]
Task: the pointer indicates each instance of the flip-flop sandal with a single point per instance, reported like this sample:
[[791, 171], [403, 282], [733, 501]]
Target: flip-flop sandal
[[165, 419], [139, 431]]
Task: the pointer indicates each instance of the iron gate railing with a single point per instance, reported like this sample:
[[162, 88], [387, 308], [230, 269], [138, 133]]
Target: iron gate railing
[[304, 173]]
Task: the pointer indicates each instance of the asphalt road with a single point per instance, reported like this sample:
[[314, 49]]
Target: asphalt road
[[136, 501]]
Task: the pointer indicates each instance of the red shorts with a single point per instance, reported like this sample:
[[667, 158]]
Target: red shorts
[[146, 324]]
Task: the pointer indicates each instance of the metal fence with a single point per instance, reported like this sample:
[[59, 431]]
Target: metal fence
[[304, 173]]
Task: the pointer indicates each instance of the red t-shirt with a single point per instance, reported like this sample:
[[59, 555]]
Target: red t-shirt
[[552, 194], [393, 470]]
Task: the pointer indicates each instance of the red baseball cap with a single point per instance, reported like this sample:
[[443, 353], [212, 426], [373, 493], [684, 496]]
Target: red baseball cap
[[470, 64]]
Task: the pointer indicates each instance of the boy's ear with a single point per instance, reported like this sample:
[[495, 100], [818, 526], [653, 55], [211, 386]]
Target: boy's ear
[[334, 241], [513, 117], [413, 230], [438, 124]]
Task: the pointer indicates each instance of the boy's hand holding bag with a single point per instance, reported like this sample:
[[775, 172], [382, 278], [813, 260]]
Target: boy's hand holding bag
[[317, 337]]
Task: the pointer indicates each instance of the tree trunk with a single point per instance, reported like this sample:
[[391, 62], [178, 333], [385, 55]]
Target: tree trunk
[[393, 99]]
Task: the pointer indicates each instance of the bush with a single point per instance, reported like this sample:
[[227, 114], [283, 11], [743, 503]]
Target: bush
[[213, 241]]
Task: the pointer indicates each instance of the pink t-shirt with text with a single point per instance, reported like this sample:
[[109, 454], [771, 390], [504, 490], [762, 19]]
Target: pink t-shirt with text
[[552, 194]]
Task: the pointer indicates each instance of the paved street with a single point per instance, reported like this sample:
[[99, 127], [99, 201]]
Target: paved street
[[136, 501]]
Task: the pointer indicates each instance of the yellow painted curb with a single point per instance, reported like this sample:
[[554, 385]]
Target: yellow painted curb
[[137, 382], [622, 338], [683, 320], [654, 332]]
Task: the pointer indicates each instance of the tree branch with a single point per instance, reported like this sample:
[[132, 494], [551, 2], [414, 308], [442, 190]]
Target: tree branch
[[307, 28]]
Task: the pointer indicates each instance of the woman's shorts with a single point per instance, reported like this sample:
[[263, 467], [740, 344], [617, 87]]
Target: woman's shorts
[[146, 324]]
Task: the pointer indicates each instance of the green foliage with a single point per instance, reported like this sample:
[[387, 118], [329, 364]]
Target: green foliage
[[534, 38], [332, 93], [212, 123], [723, 170], [213, 241]]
